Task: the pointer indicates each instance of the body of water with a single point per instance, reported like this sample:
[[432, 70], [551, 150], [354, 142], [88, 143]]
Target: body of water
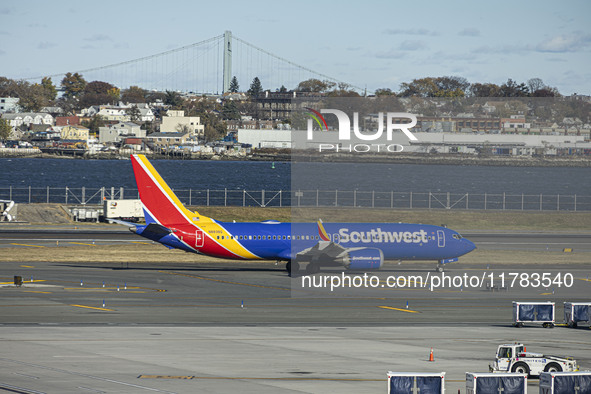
[[238, 175]]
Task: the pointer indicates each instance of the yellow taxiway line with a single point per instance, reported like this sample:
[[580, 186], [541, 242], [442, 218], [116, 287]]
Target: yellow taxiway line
[[93, 307], [32, 246], [398, 309]]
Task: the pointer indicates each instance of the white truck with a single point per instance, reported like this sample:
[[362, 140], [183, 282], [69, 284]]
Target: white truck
[[513, 357], [130, 210]]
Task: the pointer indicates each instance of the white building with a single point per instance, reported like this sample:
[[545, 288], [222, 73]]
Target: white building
[[176, 121], [264, 138], [27, 118], [146, 114], [120, 131], [8, 104]]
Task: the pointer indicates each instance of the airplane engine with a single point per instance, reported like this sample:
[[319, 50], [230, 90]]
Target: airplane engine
[[362, 258]]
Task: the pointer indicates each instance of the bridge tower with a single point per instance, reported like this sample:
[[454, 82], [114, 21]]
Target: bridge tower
[[227, 60]]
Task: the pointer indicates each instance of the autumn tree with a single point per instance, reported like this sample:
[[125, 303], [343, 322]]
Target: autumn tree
[[435, 87], [73, 84], [49, 88], [133, 94], [484, 90], [8, 87], [5, 129], [384, 92], [32, 97], [314, 85], [98, 93]]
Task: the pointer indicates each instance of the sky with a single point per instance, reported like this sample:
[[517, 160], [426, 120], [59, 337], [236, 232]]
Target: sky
[[369, 44]]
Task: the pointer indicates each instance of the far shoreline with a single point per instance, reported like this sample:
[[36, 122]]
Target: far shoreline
[[272, 155]]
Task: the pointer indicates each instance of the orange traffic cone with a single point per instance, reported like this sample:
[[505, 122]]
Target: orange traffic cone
[[431, 356]]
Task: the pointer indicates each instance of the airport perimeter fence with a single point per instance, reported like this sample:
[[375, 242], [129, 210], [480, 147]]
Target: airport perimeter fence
[[312, 198]]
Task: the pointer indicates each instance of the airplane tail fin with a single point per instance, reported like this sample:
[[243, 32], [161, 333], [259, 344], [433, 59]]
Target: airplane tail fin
[[160, 203]]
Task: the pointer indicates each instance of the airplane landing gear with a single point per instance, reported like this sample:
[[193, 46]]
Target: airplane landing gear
[[439, 268]]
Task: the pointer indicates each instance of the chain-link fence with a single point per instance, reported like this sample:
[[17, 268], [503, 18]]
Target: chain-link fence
[[312, 198]]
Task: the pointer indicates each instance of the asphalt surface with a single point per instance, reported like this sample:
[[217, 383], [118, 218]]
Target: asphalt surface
[[248, 327]]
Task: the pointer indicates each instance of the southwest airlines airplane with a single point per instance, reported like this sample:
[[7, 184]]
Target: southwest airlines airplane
[[356, 246]]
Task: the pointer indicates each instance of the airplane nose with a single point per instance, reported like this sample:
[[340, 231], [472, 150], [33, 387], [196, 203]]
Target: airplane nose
[[468, 245]]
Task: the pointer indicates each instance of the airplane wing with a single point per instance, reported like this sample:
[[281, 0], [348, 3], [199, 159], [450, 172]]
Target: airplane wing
[[122, 222]]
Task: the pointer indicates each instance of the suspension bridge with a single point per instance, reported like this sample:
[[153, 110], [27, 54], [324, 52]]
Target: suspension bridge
[[204, 67]]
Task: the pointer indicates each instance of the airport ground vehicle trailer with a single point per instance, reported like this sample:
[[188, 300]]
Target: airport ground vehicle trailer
[[577, 312], [416, 382], [565, 382], [514, 358], [489, 383], [533, 312]]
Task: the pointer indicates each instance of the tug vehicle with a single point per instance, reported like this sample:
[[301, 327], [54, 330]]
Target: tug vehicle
[[514, 358]]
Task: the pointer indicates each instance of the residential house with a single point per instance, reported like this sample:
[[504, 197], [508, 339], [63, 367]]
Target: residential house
[[176, 121], [67, 120], [114, 113], [146, 114], [119, 131], [53, 111], [163, 140], [16, 120], [78, 133]]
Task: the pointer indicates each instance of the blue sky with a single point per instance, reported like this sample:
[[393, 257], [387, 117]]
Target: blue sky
[[373, 44]]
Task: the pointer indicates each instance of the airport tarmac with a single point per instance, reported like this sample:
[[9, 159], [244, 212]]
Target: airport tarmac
[[340, 359], [217, 326], [222, 327]]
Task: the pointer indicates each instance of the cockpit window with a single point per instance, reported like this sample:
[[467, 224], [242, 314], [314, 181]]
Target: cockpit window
[[457, 236]]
